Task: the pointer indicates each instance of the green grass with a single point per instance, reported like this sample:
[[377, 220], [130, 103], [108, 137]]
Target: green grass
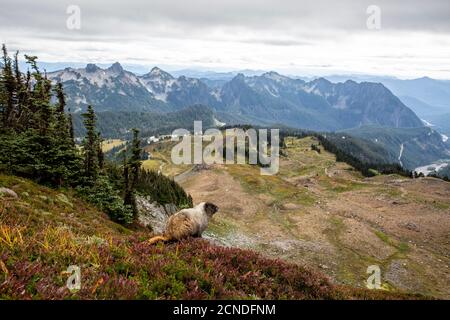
[[383, 237], [402, 247], [280, 190], [348, 186]]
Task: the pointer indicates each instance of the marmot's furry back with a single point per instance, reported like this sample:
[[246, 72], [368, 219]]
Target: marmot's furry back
[[187, 223]]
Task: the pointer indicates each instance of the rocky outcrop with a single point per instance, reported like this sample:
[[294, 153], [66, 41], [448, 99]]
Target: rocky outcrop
[[153, 215], [8, 193]]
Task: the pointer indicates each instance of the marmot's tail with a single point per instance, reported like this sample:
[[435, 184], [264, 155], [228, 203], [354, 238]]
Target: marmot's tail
[[157, 239]]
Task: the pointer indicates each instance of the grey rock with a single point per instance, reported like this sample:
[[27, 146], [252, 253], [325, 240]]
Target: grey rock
[[8, 192], [410, 226], [151, 214]]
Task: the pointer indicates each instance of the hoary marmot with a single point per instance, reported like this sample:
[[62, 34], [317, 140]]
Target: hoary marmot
[[187, 223]]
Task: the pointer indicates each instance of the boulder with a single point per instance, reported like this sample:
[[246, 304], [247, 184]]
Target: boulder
[[8, 193], [151, 214], [411, 226]]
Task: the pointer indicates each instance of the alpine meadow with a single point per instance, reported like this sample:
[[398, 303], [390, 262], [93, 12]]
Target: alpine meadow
[[240, 152]]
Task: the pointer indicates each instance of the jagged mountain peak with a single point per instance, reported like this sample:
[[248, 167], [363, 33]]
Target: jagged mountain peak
[[273, 75], [373, 88], [110, 89], [157, 72], [91, 67], [319, 86], [350, 82], [116, 67], [270, 74], [188, 81], [239, 77], [321, 81]]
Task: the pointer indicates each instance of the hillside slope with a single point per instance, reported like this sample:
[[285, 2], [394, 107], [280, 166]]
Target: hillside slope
[[323, 214], [412, 147], [44, 231], [119, 124]]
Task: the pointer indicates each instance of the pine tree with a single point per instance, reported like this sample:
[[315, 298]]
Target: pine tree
[[65, 150], [71, 129], [131, 172], [135, 160], [60, 97], [37, 142], [100, 155], [8, 85], [128, 197], [61, 119], [90, 146], [40, 99], [22, 95], [33, 141]]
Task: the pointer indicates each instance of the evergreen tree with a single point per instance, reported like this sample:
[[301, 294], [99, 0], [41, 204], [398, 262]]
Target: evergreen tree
[[131, 172], [135, 159], [90, 146], [60, 97], [22, 94], [33, 141], [128, 197], [162, 189], [42, 108], [37, 142], [71, 130], [61, 119], [8, 92], [100, 155], [64, 144]]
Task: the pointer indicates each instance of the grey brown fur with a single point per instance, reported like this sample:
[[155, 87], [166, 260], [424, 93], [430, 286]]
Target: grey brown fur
[[187, 223]]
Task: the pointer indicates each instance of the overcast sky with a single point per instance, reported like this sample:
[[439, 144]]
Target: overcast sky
[[293, 36]]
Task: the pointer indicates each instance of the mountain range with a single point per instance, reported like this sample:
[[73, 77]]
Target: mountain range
[[159, 101], [425, 96], [269, 98]]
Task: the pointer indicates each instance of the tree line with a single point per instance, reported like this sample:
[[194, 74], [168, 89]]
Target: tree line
[[37, 142]]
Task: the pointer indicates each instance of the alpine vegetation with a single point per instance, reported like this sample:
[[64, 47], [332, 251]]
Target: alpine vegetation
[[237, 146]]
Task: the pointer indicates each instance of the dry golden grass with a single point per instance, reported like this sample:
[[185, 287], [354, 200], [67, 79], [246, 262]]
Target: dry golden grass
[[109, 144]]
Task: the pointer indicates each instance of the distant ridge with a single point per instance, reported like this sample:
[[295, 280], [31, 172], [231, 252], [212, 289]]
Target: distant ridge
[[266, 98]]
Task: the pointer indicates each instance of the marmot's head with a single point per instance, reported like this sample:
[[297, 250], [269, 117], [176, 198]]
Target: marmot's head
[[210, 208]]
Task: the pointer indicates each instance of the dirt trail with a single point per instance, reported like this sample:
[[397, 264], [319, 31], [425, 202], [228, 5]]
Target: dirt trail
[[184, 175]]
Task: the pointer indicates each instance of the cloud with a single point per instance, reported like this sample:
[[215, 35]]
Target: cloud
[[233, 34], [167, 18]]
